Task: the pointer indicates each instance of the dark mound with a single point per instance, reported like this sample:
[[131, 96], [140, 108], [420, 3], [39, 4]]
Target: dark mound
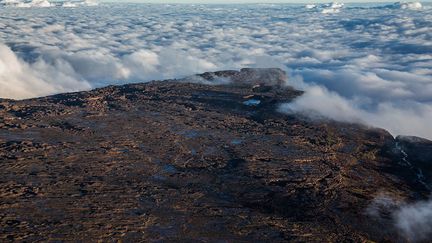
[[188, 162]]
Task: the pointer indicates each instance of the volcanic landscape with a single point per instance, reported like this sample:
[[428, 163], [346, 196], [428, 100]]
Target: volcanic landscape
[[207, 158]]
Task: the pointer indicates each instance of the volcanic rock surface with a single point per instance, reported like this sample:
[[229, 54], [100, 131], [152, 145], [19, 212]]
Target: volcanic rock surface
[[191, 162], [418, 153]]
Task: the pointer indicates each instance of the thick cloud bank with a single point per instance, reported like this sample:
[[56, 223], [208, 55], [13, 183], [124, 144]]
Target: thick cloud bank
[[46, 3], [327, 8], [368, 63], [19, 79], [409, 5], [413, 221]]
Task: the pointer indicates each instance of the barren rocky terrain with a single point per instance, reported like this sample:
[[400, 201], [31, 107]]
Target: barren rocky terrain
[[182, 161]]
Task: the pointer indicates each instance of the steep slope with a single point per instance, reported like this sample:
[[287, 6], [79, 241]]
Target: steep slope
[[180, 161]]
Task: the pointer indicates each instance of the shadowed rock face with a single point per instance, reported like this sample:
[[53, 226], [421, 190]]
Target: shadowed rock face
[[418, 152], [176, 161]]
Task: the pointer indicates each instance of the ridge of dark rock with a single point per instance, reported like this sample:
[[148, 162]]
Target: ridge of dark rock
[[178, 161], [250, 76], [418, 152]]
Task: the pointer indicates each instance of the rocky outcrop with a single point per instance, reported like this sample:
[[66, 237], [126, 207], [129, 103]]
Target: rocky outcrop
[[249, 76], [418, 153], [178, 161]]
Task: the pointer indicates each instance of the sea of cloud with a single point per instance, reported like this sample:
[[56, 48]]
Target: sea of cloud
[[361, 63]]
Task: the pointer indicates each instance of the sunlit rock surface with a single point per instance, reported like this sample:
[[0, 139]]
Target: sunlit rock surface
[[178, 161]]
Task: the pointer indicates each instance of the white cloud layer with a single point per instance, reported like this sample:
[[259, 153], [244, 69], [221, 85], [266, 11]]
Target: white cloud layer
[[46, 3], [368, 63], [36, 79], [413, 221]]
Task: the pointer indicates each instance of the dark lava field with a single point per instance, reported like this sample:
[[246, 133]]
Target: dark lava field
[[175, 161]]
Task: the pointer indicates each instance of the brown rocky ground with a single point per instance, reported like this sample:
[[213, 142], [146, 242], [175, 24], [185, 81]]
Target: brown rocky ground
[[190, 162]]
